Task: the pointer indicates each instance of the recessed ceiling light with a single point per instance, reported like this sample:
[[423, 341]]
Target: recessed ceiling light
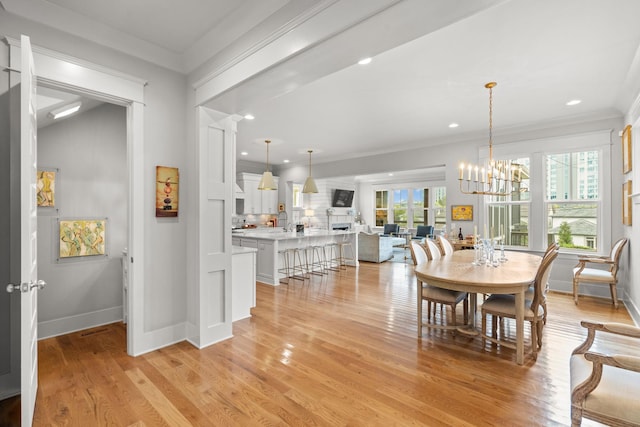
[[364, 61], [244, 153], [285, 161], [574, 102], [390, 174], [249, 116], [65, 111], [453, 125]]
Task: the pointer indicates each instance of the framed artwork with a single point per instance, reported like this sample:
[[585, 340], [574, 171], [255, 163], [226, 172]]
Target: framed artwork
[[462, 213], [82, 237], [46, 187], [626, 202], [167, 185], [626, 150]]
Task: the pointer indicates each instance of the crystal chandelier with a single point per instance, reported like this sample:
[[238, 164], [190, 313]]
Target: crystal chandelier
[[498, 177]]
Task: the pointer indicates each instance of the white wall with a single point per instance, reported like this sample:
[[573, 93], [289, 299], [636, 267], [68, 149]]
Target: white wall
[[90, 151]]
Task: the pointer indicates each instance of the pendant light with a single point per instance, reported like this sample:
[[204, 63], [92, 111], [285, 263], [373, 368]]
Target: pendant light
[[267, 183], [497, 177], [310, 184]]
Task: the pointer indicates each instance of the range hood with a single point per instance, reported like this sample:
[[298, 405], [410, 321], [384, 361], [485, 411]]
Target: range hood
[[238, 191]]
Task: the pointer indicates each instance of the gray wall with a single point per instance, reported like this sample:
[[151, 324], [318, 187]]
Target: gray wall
[[166, 136], [90, 151]]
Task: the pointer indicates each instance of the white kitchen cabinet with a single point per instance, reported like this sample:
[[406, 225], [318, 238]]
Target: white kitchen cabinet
[[243, 292], [257, 201]]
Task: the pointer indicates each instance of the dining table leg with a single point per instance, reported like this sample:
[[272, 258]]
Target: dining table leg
[[470, 329], [419, 308], [520, 327]]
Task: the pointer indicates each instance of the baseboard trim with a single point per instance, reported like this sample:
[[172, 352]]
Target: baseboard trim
[[66, 325]]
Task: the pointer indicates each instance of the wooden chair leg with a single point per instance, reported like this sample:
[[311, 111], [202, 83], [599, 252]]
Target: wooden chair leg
[[575, 291], [465, 307], [614, 294], [453, 315], [534, 339], [419, 309], [484, 329], [494, 327]]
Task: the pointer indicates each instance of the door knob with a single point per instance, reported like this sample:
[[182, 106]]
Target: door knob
[[21, 287], [40, 284]]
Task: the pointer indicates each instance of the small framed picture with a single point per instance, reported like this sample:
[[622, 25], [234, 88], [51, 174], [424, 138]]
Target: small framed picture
[[462, 213], [626, 150], [626, 203]]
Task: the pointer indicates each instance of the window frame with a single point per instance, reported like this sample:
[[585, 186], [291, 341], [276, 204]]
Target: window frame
[[602, 140]]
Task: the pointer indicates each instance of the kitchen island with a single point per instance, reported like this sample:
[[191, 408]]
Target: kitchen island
[[269, 242]]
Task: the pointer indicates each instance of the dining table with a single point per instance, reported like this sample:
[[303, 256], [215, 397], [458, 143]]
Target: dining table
[[458, 272]]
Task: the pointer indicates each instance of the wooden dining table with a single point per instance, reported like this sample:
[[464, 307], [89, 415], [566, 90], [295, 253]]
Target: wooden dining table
[[457, 272]]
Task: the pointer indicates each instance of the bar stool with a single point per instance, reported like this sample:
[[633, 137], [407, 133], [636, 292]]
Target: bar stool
[[344, 246], [299, 268], [286, 264], [332, 255], [315, 259]]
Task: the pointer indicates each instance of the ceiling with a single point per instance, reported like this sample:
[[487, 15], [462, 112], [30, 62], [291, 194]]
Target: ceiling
[[542, 53]]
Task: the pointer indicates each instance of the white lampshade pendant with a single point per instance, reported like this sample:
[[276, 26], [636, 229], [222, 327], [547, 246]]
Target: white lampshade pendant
[[266, 182], [309, 183]]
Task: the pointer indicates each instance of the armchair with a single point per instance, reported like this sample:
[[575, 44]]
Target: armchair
[[423, 231], [390, 230], [605, 388], [582, 273]]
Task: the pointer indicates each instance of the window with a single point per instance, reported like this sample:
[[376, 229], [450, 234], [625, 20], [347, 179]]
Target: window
[[573, 202], [439, 210], [400, 207], [382, 204], [297, 196], [509, 215], [410, 207], [420, 208]]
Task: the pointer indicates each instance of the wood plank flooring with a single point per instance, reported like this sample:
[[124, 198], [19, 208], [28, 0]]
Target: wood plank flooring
[[338, 350]]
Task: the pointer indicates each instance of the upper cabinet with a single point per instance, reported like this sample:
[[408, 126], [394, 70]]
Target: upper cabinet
[[256, 201]]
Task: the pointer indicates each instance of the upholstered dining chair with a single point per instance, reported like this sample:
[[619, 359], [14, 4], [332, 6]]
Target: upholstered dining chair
[[445, 246], [582, 273], [391, 230], [504, 306], [422, 232], [421, 254], [605, 387], [531, 291]]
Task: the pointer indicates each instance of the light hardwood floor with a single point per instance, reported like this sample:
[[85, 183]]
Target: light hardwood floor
[[335, 351]]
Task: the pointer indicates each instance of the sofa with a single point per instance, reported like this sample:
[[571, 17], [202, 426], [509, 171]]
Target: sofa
[[373, 247]]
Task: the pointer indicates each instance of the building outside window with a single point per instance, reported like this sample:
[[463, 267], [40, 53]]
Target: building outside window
[[573, 203], [509, 215]]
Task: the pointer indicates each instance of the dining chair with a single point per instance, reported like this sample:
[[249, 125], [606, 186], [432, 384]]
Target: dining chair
[[504, 306], [605, 387], [582, 273], [445, 246], [421, 254], [531, 291]]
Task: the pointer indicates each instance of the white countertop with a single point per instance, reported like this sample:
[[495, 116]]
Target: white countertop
[[278, 234]]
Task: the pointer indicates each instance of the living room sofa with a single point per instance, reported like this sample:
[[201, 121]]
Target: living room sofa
[[373, 247]]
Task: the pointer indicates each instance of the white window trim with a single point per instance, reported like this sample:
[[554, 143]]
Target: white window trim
[[597, 140]]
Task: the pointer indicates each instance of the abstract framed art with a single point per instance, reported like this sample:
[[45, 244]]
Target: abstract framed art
[[462, 213], [627, 190], [82, 237]]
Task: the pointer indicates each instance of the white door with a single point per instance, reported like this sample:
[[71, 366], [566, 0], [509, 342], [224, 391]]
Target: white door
[[29, 283]]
